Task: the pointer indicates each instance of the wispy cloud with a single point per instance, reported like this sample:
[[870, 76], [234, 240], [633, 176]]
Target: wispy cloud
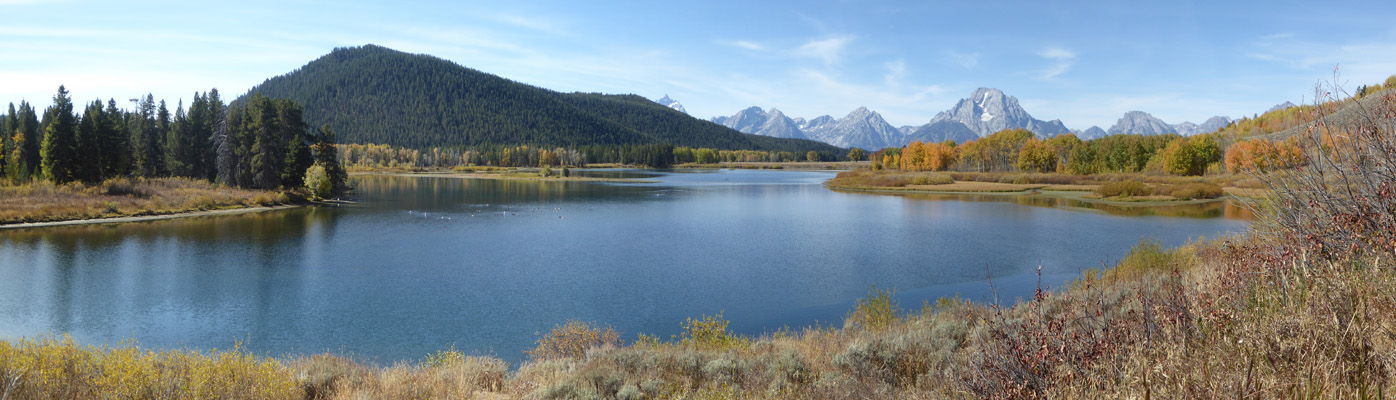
[[896, 71], [1061, 58], [966, 60], [745, 44], [829, 50], [536, 23]]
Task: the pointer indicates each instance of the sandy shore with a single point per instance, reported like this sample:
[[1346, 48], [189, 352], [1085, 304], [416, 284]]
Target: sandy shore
[[118, 220]]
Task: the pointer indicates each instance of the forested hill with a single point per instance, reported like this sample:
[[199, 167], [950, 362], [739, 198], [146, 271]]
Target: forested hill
[[373, 94]]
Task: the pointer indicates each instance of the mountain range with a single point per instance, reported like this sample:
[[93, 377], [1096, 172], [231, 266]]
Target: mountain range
[[372, 94], [984, 112]]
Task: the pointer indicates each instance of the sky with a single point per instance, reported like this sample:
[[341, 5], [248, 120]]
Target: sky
[[1084, 62]]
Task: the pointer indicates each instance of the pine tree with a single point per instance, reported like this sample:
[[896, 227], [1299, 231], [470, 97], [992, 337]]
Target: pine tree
[[298, 158], [28, 124], [266, 152], [88, 149], [115, 143], [216, 118], [177, 150], [5, 132], [145, 143], [162, 128], [58, 154], [327, 156], [225, 142]]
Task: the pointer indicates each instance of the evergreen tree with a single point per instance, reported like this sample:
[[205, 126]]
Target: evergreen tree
[[28, 124], [175, 149], [298, 158], [265, 151], [327, 156], [291, 135], [89, 154], [115, 143], [162, 128], [215, 116], [144, 133], [225, 142], [5, 132], [58, 154]]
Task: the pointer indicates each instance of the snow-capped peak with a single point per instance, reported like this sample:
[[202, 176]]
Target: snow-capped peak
[[671, 103]]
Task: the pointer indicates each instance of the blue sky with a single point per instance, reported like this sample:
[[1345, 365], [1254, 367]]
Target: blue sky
[[1086, 63]]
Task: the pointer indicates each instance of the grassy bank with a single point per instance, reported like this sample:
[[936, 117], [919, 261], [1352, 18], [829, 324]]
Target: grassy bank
[[124, 197], [795, 165], [518, 175], [1120, 187]]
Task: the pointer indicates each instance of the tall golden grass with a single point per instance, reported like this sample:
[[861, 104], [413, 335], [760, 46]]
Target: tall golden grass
[[59, 369]]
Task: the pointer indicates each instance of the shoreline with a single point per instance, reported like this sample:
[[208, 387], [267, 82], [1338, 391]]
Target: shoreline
[[476, 175], [1039, 190], [144, 218]]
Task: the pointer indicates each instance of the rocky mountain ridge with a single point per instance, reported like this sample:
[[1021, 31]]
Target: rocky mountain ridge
[[984, 112]]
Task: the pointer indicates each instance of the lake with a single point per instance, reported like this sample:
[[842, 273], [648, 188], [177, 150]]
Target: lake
[[422, 264]]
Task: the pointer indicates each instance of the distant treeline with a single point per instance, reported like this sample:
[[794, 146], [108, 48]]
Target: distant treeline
[[656, 156], [1018, 150], [263, 144], [1021, 151]]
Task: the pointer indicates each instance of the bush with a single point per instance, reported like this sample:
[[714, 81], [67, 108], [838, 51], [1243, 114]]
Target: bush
[[932, 179], [1330, 213], [875, 312], [317, 181], [710, 333], [1197, 191], [1123, 189], [571, 340], [126, 187], [61, 369]]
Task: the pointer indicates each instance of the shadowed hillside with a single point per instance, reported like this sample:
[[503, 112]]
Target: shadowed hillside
[[373, 94]]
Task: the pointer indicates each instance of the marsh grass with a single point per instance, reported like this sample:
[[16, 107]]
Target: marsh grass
[[1113, 186], [44, 201], [1131, 189]]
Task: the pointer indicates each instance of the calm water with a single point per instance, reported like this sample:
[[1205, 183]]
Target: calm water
[[422, 264]]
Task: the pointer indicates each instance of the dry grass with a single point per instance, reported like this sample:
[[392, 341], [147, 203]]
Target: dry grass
[[1152, 187], [60, 369], [120, 197], [983, 187], [1136, 191]]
